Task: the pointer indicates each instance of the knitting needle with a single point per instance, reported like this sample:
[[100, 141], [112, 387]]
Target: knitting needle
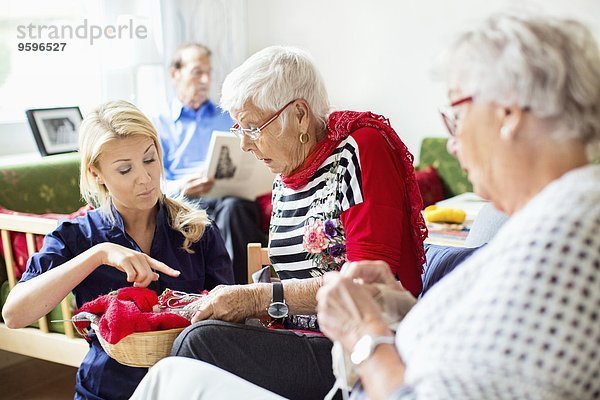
[[175, 310]]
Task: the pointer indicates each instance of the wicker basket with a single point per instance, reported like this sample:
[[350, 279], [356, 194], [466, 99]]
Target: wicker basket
[[142, 349]]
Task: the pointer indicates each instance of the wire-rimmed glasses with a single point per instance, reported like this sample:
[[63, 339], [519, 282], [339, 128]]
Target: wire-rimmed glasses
[[254, 133]]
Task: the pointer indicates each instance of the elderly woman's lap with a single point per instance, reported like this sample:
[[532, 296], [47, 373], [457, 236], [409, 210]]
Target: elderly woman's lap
[[184, 378], [294, 365]]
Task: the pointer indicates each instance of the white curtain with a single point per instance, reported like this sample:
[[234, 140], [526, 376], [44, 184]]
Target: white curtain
[[133, 68], [221, 25]]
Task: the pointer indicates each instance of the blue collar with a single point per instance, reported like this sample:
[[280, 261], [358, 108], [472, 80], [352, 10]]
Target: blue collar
[[179, 111]]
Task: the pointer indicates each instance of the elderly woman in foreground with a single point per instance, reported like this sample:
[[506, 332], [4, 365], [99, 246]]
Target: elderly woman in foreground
[[520, 318], [345, 190]]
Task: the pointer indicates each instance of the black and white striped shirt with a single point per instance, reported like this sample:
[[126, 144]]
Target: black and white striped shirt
[[335, 187]]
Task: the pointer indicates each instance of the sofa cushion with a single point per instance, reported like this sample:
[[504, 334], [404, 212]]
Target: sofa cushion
[[430, 185], [441, 260], [50, 184], [266, 209], [19, 242], [434, 152]]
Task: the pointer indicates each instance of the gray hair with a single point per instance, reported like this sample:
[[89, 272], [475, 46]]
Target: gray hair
[[274, 76], [177, 60], [550, 65]]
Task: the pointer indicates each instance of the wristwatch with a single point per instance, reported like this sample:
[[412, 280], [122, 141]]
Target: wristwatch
[[277, 309], [366, 345]]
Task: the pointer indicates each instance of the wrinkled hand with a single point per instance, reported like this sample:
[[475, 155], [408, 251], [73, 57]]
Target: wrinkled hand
[[347, 310], [197, 186], [371, 272], [395, 301], [139, 267], [232, 303]]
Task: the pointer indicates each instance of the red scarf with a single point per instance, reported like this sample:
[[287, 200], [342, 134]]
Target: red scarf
[[340, 125]]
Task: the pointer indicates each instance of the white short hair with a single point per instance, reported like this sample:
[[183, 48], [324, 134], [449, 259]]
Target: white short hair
[[273, 77], [550, 65]]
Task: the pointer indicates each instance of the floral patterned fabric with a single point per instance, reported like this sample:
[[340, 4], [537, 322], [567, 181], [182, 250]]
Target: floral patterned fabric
[[50, 184], [19, 241], [47, 185]]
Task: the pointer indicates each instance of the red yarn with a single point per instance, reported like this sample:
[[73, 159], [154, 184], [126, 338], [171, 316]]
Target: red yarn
[[129, 311]]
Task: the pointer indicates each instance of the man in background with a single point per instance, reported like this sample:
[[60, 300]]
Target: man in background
[[185, 132]]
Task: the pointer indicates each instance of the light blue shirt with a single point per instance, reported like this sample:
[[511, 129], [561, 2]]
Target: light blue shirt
[[185, 135]]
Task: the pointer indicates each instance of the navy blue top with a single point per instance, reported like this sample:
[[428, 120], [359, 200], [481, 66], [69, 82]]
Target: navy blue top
[[441, 260], [99, 376]]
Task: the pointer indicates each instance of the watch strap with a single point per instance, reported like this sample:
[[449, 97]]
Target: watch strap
[[277, 310], [365, 347], [277, 296]]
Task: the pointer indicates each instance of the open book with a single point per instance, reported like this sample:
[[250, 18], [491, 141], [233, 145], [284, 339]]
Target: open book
[[236, 172]]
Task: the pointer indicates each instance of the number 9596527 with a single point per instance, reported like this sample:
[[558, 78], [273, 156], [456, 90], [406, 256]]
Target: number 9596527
[[34, 46]]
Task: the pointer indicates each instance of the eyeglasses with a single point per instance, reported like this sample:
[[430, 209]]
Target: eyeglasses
[[254, 133], [449, 116]]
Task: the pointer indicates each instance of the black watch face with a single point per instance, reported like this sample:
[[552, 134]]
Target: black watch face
[[278, 310]]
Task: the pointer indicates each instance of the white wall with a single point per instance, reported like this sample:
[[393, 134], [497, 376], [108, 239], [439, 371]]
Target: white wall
[[16, 138], [377, 55], [374, 55]]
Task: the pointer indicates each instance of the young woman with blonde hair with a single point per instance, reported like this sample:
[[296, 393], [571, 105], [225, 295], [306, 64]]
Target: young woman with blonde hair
[[136, 235]]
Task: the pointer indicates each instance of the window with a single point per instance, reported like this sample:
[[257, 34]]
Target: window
[[37, 79]]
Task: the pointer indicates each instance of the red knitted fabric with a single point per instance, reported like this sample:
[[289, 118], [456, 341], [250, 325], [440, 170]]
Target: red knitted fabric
[[129, 311]]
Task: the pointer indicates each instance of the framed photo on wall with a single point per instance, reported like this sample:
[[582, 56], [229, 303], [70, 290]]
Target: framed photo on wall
[[55, 129]]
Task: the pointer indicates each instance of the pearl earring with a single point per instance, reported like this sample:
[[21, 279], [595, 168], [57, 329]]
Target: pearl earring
[[505, 132]]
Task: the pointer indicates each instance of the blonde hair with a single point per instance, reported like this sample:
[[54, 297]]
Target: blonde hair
[[116, 120]]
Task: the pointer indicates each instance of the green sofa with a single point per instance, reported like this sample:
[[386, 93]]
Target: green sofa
[[47, 185], [51, 184]]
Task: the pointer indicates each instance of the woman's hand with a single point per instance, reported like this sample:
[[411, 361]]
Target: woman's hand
[[197, 186], [233, 303], [371, 272], [139, 267], [347, 310], [393, 299]]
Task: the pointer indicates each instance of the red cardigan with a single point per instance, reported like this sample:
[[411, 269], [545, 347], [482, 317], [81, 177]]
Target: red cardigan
[[379, 227]]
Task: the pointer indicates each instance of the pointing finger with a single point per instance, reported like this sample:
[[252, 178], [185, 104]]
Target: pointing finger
[[162, 267]]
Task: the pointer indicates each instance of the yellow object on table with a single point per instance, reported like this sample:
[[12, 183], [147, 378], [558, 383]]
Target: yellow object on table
[[444, 214]]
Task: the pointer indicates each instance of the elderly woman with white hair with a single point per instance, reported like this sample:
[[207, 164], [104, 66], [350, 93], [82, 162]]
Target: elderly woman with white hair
[[520, 318], [345, 191]]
